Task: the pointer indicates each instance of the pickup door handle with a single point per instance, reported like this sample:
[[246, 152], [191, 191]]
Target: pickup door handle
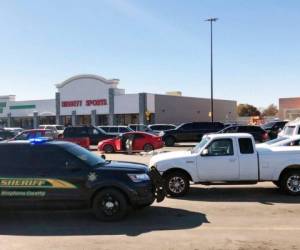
[[232, 160]]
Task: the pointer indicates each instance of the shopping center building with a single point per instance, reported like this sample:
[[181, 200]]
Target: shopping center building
[[92, 99], [289, 108]]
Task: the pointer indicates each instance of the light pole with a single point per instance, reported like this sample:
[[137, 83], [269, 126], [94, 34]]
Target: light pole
[[211, 20]]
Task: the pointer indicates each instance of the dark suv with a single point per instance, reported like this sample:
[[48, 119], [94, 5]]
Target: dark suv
[[93, 133], [273, 128], [190, 132], [259, 134], [65, 175]]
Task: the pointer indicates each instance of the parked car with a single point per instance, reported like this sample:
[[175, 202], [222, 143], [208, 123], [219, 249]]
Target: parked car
[[190, 132], [229, 159], [161, 127], [58, 129], [291, 129], [115, 130], [259, 134], [64, 175], [6, 134], [141, 142], [273, 128], [15, 130], [34, 133], [94, 134], [139, 127]]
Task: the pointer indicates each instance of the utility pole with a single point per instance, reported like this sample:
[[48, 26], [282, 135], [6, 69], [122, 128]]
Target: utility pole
[[211, 20]]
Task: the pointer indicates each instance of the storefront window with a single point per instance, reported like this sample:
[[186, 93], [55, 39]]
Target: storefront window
[[84, 119], [125, 119], [22, 122], [102, 120], [47, 120], [66, 120]]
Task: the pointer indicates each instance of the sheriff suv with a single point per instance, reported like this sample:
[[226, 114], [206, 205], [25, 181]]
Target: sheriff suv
[[65, 175]]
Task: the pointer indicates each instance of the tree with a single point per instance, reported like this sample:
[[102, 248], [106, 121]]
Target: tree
[[247, 110], [271, 110]]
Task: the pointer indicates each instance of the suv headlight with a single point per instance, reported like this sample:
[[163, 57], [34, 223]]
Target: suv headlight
[[139, 177]]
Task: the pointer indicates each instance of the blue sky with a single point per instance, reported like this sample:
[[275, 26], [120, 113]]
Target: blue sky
[[152, 46]]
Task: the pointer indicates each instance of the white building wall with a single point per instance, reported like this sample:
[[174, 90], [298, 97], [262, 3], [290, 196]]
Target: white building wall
[[84, 90], [27, 108], [151, 103], [126, 104]]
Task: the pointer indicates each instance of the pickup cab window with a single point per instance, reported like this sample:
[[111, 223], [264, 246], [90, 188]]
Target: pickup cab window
[[220, 147], [246, 146]]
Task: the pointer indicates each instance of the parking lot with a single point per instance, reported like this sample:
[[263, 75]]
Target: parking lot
[[215, 217]]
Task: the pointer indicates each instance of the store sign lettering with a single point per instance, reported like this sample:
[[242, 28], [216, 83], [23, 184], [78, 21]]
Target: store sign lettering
[[80, 103]]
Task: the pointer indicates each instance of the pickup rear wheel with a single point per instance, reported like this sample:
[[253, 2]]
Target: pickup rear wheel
[[290, 182], [110, 205], [177, 184], [108, 149]]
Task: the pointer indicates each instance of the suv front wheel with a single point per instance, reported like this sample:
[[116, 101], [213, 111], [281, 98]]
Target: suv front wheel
[[110, 205]]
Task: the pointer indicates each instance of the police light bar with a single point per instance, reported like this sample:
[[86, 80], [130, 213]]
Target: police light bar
[[39, 140]]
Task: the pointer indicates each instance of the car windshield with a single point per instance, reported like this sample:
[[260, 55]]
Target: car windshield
[[200, 145], [83, 154], [279, 139], [289, 130], [60, 127]]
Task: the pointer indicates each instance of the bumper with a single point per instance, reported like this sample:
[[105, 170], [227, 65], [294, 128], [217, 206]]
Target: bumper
[[158, 183], [147, 192]]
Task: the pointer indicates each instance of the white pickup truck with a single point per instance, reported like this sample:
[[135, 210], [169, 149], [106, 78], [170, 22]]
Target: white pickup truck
[[229, 159]]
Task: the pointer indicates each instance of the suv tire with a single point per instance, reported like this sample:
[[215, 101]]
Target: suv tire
[[110, 205], [177, 183], [170, 141]]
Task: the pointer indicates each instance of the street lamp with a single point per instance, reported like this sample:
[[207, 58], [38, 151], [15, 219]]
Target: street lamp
[[211, 20]]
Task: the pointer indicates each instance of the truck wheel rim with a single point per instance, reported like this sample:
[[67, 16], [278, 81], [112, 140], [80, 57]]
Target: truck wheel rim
[[176, 184], [109, 205], [293, 183]]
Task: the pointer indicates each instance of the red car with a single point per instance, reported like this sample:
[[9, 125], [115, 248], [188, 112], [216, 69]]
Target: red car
[[141, 141]]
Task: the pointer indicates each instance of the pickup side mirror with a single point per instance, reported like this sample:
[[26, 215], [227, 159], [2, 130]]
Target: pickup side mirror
[[204, 152]]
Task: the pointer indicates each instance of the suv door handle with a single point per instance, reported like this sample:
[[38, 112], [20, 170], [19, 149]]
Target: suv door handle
[[232, 159]]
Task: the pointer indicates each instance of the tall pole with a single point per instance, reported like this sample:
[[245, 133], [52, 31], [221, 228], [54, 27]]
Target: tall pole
[[211, 20]]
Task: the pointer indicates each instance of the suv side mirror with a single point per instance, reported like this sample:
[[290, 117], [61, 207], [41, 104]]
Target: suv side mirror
[[103, 157], [204, 152]]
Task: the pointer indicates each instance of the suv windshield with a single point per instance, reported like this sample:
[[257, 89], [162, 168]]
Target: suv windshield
[[200, 145], [84, 155]]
